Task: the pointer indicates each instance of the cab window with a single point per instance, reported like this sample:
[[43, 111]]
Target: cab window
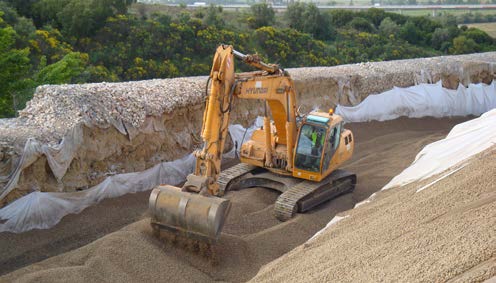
[[310, 147]]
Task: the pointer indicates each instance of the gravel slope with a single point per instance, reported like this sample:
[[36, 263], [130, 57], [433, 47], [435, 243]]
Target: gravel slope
[[446, 232]]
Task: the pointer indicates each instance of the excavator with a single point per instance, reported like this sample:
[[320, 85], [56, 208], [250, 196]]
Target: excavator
[[297, 155]]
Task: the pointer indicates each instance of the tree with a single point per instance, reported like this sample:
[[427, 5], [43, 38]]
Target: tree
[[410, 33], [308, 18], [462, 45], [14, 68], [262, 15], [312, 19], [48, 43], [388, 27], [67, 70], [340, 18], [440, 36], [24, 28], [361, 24], [23, 7], [45, 11], [294, 13], [479, 36], [375, 16], [79, 18], [214, 16]]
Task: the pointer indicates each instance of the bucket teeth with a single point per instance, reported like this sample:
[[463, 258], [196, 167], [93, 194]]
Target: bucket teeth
[[203, 248]]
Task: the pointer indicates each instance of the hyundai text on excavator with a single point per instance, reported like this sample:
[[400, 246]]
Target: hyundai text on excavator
[[298, 156]]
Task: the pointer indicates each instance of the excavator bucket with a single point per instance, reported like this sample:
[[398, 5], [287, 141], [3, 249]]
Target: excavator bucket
[[190, 214]]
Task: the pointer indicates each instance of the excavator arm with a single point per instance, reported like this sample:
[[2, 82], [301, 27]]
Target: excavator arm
[[215, 125], [216, 117]]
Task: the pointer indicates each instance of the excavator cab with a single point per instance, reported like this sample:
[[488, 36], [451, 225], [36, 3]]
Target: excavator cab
[[317, 143]]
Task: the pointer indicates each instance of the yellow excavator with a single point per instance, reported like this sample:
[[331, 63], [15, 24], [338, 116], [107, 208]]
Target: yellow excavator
[[296, 155]]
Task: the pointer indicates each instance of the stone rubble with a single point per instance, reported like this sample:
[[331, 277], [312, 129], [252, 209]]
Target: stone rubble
[[56, 108]]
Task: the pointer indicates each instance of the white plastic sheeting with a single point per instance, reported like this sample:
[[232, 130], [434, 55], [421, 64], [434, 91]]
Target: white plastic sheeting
[[422, 100], [60, 156], [43, 210], [463, 141]]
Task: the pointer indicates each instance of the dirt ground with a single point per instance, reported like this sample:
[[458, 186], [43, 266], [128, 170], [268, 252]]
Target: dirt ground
[[252, 237]]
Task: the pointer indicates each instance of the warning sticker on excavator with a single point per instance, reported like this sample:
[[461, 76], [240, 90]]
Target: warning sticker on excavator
[[258, 84]]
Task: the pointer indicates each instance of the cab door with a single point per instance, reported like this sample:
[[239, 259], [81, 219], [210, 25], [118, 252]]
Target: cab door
[[310, 147], [332, 143]]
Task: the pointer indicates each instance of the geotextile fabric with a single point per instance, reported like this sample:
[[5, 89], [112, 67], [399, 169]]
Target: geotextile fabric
[[422, 100]]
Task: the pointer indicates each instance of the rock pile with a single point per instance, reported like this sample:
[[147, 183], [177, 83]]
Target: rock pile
[[56, 108], [350, 84]]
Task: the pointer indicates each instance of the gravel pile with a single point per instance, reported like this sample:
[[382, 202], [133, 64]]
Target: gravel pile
[[350, 84], [445, 233]]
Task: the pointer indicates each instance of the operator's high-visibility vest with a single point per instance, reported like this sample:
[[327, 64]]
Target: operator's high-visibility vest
[[314, 139]]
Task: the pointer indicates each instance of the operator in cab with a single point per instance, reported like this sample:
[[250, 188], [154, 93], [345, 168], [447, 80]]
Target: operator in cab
[[310, 147]]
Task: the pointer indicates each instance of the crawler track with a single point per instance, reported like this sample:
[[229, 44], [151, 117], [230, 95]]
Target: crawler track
[[297, 195], [232, 174], [307, 194]]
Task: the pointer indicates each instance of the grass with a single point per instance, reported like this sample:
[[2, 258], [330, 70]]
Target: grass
[[490, 28]]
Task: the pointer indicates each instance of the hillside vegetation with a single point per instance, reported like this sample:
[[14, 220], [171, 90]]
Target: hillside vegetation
[[76, 41]]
